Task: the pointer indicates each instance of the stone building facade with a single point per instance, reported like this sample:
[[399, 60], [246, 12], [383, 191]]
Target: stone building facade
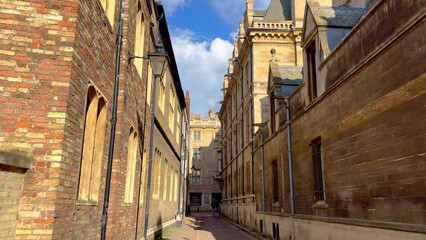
[[340, 154], [171, 127], [205, 162], [56, 95], [245, 96]]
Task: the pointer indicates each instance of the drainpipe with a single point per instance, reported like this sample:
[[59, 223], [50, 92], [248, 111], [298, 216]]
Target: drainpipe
[[151, 155], [290, 156], [290, 164], [252, 119], [242, 137], [141, 176], [262, 156], [119, 44]]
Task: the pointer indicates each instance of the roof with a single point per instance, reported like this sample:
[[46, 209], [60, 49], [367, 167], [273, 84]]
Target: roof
[[278, 10], [259, 13], [337, 16], [287, 77], [165, 35], [290, 73]]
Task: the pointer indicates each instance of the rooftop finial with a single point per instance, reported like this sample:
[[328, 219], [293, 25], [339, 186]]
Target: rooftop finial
[[273, 51]]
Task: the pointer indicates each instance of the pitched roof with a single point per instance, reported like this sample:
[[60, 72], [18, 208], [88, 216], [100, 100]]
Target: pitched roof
[[290, 73], [338, 16], [279, 10], [259, 13]]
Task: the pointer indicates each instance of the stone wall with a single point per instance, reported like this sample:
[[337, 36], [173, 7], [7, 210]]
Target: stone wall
[[10, 193]]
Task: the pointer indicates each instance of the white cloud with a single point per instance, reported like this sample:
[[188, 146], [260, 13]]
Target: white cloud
[[172, 5], [231, 11], [202, 65]]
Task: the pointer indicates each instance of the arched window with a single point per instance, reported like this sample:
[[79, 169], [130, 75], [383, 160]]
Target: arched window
[[139, 40], [132, 151], [143, 179], [109, 8], [93, 144], [165, 179]]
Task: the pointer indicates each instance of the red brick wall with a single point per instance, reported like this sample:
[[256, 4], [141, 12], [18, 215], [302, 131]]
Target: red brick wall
[[50, 51], [35, 68]]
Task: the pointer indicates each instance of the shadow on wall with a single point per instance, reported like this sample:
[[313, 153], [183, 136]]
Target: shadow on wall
[[159, 234]]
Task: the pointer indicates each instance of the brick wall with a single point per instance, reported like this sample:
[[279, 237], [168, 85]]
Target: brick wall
[[50, 52], [37, 49]]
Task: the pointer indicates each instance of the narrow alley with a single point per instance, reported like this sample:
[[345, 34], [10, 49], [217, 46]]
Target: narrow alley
[[203, 226]]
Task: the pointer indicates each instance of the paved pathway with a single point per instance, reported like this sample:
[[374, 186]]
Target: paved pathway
[[203, 226]]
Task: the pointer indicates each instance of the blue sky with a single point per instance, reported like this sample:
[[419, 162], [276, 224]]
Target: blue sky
[[202, 36]]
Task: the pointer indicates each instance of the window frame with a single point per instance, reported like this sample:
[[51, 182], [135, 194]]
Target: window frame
[[318, 170], [92, 148], [196, 176], [312, 69], [275, 182]]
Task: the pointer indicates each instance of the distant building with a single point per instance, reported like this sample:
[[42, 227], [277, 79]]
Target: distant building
[[205, 161], [340, 153]]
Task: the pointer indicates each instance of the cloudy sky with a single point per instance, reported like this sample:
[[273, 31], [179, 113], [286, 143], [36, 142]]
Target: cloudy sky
[[202, 37]]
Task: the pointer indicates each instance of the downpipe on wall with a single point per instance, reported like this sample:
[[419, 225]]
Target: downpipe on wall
[[119, 44], [290, 163]]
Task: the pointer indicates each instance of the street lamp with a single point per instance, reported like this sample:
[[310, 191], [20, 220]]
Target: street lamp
[[158, 60]]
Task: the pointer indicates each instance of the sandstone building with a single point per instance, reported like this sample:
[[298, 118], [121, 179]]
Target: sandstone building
[[205, 162], [246, 98], [340, 151], [57, 62]]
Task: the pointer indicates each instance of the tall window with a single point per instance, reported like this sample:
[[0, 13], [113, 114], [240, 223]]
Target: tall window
[[157, 174], [176, 186], [219, 160], [272, 112], [139, 40], [171, 180], [109, 8], [196, 176], [132, 151], [162, 92], [247, 121], [275, 180], [312, 71], [248, 179], [93, 145], [318, 171], [142, 191], [149, 85], [196, 154], [178, 133], [166, 172], [172, 121], [197, 135]]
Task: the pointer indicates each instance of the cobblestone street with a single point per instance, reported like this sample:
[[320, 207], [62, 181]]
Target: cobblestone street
[[203, 226]]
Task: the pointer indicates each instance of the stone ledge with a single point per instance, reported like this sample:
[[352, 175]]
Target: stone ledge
[[9, 161]]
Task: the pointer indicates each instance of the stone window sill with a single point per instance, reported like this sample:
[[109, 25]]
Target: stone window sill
[[80, 202]]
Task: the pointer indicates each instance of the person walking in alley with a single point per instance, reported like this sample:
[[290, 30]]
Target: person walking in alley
[[214, 207]]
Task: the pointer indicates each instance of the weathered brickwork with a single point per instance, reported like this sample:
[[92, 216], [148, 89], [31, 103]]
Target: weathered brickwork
[[51, 51]]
